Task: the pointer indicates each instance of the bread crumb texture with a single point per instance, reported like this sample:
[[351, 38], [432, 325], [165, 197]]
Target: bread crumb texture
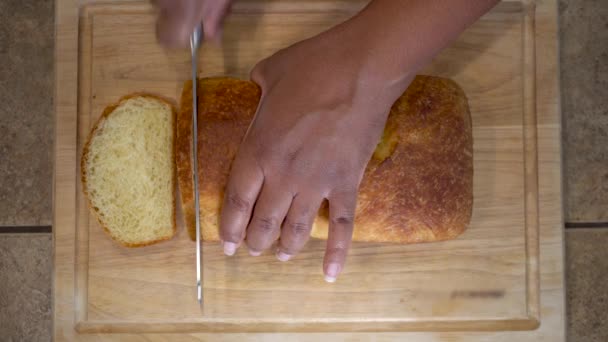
[[128, 171]]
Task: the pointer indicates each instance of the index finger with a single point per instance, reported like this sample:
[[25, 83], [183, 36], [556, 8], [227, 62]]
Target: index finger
[[242, 190]]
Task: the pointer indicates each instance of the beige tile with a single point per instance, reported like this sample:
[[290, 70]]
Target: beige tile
[[584, 82], [26, 265], [587, 284], [26, 108]]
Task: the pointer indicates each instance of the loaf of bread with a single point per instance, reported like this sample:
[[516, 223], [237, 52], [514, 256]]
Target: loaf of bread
[[128, 171], [418, 186]]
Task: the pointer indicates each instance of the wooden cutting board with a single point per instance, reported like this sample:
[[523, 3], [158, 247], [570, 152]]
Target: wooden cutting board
[[500, 280]]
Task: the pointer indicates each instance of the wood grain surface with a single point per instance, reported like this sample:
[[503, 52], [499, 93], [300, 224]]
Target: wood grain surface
[[504, 274]]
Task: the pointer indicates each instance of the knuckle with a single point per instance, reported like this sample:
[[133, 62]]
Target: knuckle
[[292, 155], [344, 219], [298, 228], [337, 251], [257, 73], [231, 236], [237, 202], [266, 224]]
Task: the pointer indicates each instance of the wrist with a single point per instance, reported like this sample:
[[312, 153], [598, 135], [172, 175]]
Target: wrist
[[396, 38], [377, 66]]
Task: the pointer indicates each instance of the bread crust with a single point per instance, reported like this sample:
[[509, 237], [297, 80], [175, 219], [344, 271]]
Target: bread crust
[[226, 106], [417, 187], [85, 157]]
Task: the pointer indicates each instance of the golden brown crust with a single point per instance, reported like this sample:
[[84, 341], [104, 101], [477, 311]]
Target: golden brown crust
[[421, 190], [418, 186], [183, 163], [225, 106], [85, 154]]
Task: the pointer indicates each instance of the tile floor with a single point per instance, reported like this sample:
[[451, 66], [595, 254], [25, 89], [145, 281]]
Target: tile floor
[[25, 294], [26, 88], [584, 81], [26, 111]]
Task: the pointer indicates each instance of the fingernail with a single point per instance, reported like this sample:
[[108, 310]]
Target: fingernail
[[283, 256], [254, 253], [229, 248], [332, 272], [330, 279]]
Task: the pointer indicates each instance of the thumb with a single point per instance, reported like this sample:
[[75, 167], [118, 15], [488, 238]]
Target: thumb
[[178, 18]]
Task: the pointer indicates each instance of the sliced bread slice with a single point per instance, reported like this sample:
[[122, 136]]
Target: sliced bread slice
[[128, 170]]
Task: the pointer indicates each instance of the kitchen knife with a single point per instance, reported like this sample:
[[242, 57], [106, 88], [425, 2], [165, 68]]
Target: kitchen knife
[[195, 41]]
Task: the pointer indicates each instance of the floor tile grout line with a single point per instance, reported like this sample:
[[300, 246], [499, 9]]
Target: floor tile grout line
[[584, 225], [25, 229]]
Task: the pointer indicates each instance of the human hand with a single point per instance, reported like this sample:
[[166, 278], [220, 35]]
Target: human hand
[[323, 107], [178, 18], [320, 117]]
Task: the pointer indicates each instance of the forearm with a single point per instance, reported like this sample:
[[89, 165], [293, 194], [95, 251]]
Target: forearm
[[398, 37]]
